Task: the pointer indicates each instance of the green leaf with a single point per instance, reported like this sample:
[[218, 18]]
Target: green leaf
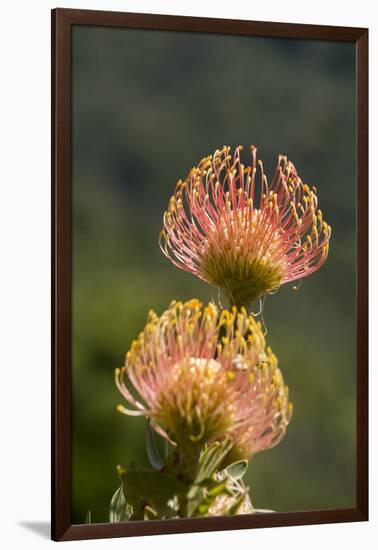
[[196, 495], [220, 489], [232, 511], [119, 510], [236, 470], [149, 513], [88, 517], [211, 459], [150, 488], [201, 497], [152, 451]]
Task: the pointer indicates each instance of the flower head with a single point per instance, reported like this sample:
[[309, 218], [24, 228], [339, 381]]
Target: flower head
[[230, 227], [201, 374]]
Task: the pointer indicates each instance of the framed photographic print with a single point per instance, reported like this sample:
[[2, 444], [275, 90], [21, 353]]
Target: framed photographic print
[[209, 325]]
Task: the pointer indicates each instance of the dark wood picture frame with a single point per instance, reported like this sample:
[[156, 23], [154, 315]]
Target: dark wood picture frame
[[62, 22]]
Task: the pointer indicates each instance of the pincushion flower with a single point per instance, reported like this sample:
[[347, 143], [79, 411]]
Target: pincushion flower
[[201, 374], [226, 224]]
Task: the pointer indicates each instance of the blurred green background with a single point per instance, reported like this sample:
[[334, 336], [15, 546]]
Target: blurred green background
[[146, 106]]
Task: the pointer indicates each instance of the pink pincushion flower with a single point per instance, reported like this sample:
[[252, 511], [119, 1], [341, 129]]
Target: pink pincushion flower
[[233, 229], [202, 374]]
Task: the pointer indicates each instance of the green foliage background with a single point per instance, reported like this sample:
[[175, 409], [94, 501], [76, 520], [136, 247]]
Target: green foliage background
[[147, 105]]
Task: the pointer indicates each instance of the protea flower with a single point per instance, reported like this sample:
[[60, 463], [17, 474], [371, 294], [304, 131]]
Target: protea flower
[[233, 229], [201, 374]]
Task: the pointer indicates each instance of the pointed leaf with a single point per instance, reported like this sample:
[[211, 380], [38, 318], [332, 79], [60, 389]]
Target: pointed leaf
[[195, 497], [88, 517], [211, 459], [201, 497], [236, 470], [220, 489], [119, 510], [233, 510], [152, 451]]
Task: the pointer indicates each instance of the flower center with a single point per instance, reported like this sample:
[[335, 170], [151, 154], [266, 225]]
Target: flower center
[[242, 256]]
